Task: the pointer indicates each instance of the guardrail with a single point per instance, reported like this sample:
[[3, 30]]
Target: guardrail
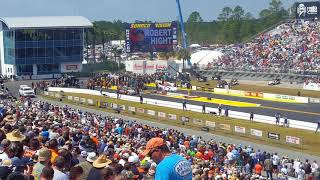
[[176, 105], [202, 123]]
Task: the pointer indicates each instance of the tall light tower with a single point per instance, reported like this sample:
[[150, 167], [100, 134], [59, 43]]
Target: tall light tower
[[184, 34]]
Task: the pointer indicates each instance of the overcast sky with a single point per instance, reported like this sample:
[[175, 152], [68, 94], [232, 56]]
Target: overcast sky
[[128, 10]]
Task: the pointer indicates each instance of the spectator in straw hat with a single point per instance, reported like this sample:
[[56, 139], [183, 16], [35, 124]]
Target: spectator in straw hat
[[101, 162], [44, 156], [15, 136]]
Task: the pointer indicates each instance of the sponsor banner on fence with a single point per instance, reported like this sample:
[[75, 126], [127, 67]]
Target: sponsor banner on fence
[[292, 140], [315, 100], [210, 124], [140, 110], [197, 122], [114, 105], [123, 107], [70, 98], [162, 114], [255, 132], [131, 108], [82, 100], [151, 112], [172, 116], [90, 101], [225, 127], [239, 129], [46, 93], [185, 119], [77, 99], [274, 136]]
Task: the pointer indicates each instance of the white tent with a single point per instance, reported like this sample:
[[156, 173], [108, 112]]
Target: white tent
[[194, 46], [203, 57]]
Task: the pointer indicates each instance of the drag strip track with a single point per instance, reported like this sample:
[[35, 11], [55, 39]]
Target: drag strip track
[[302, 112]]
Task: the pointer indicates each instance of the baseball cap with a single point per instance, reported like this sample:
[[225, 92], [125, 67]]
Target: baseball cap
[[44, 154], [153, 143]]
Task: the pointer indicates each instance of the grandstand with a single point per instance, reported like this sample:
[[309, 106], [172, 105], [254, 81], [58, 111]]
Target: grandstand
[[289, 51]]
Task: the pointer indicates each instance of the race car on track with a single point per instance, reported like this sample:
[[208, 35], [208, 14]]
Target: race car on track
[[222, 84], [127, 91], [274, 82], [26, 91], [167, 86]]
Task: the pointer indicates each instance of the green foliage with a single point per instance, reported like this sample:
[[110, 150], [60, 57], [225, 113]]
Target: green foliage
[[183, 54], [195, 17], [111, 66], [233, 25]]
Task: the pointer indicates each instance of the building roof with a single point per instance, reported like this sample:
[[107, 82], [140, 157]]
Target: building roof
[[203, 57], [45, 22]]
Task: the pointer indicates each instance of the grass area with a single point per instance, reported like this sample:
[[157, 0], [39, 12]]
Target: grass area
[[257, 88], [309, 139]]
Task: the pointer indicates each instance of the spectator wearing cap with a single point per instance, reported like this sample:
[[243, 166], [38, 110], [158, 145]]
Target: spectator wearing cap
[[44, 156], [170, 166], [134, 163], [101, 162], [58, 166], [87, 165]]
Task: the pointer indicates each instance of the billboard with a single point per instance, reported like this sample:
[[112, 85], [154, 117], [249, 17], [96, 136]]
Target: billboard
[[307, 10], [150, 37]]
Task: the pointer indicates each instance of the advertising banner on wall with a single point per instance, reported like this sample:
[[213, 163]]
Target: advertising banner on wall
[[292, 140], [210, 124], [132, 109], [239, 129], [151, 112], [225, 127], [140, 110], [162, 114], [274, 136], [197, 122], [255, 132], [172, 116], [307, 10], [150, 37]]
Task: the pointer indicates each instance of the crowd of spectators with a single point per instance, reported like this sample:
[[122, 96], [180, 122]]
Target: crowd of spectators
[[39, 140], [135, 81], [292, 46], [312, 80]]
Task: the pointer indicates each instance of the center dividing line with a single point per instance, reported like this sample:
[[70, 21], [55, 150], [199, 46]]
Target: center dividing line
[[290, 110]]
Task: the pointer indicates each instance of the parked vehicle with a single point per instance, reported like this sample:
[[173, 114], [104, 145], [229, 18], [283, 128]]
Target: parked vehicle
[[26, 91]]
